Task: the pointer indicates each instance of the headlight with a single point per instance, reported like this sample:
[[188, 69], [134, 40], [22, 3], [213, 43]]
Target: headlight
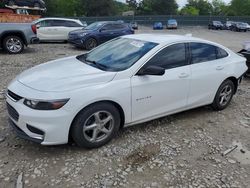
[[82, 34], [45, 105]]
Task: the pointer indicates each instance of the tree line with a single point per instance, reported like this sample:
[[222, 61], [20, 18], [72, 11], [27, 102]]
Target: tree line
[[145, 7]]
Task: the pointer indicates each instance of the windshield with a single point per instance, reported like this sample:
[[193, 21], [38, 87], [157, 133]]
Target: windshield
[[217, 22], [117, 55], [94, 26], [171, 21]]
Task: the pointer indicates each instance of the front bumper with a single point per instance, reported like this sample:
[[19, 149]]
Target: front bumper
[[78, 42], [44, 127], [34, 40]]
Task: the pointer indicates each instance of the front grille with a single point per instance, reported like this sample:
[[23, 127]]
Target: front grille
[[12, 112], [14, 96]]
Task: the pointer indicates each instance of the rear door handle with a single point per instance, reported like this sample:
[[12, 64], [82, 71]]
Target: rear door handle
[[183, 75], [219, 68]]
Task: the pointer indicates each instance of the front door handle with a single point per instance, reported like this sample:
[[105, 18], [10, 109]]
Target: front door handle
[[219, 68], [183, 75]]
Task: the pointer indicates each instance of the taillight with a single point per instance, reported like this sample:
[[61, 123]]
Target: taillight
[[33, 27]]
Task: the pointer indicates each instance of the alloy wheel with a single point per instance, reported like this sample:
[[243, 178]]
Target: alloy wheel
[[98, 126], [225, 95], [14, 45]]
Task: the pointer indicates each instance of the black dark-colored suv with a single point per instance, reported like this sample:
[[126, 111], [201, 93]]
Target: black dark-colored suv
[[217, 25], [29, 3]]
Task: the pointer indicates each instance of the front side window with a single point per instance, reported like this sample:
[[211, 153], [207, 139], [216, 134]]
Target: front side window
[[118, 54], [201, 52], [171, 57]]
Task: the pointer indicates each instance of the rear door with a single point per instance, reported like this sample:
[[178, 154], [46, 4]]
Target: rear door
[[208, 72]]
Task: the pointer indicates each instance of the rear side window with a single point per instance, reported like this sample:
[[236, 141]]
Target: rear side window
[[108, 27], [221, 53], [171, 57], [72, 24], [201, 52], [58, 23], [119, 26]]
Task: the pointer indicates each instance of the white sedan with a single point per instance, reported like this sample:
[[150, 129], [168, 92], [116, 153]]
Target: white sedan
[[129, 80], [56, 29]]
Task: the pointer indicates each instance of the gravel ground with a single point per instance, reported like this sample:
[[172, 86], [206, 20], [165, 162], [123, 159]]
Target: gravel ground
[[182, 150]]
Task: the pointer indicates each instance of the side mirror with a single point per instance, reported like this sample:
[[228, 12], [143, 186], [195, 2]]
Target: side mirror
[[151, 70], [38, 26]]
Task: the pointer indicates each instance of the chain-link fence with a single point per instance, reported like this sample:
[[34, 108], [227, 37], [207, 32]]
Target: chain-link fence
[[182, 20]]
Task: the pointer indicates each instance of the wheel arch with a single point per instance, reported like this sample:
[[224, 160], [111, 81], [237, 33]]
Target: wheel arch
[[117, 105], [13, 33], [235, 82]]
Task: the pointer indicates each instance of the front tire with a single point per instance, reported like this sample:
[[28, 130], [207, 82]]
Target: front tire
[[13, 44], [96, 125], [90, 44], [224, 95]]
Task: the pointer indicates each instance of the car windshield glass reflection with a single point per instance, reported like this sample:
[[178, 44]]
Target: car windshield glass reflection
[[94, 26], [117, 55]]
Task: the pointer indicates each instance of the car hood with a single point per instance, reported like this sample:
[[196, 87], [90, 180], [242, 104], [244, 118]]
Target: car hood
[[64, 74]]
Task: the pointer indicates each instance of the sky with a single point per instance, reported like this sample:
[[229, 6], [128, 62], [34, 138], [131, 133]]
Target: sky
[[181, 2]]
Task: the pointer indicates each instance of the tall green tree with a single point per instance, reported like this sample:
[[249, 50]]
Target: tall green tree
[[204, 6], [219, 7], [100, 8], [189, 10], [239, 8], [158, 7]]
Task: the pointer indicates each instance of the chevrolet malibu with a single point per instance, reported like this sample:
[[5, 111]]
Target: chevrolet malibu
[[126, 81]]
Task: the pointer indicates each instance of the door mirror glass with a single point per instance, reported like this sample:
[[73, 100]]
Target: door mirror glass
[[152, 70]]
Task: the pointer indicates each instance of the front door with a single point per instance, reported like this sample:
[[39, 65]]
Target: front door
[[153, 96]]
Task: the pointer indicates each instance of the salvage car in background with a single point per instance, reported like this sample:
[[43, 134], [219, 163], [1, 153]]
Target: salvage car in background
[[126, 81], [216, 25], [134, 25], [98, 33], [158, 26], [28, 3], [56, 29], [15, 36], [239, 26], [172, 24]]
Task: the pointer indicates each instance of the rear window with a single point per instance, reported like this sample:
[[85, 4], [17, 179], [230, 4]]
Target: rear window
[[202, 52], [221, 53]]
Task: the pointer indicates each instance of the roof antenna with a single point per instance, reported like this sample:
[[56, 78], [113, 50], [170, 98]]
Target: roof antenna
[[189, 35]]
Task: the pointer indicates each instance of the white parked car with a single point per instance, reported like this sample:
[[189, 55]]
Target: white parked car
[[126, 81], [56, 29]]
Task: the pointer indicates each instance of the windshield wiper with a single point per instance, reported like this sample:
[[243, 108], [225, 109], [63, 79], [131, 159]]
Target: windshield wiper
[[100, 66]]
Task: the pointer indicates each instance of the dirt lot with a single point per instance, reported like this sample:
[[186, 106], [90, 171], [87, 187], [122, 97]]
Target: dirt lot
[[182, 150]]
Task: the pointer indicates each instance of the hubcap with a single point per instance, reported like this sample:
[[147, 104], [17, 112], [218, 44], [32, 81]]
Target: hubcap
[[98, 126], [14, 45], [225, 95]]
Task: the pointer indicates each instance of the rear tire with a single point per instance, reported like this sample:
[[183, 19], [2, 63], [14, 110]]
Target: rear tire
[[96, 125], [224, 95], [13, 44], [90, 44]]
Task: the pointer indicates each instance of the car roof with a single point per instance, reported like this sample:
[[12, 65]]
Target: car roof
[[166, 38], [55, 18]]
